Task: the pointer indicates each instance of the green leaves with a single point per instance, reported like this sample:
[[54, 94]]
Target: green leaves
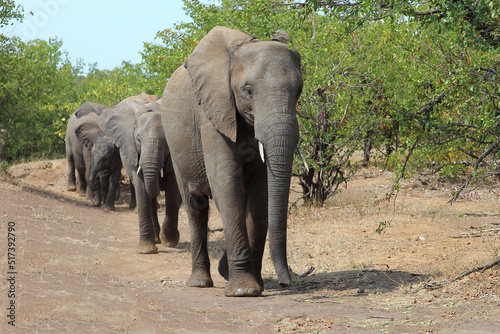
[[414, 82], [377, 76], [36, 80], [9, 13]]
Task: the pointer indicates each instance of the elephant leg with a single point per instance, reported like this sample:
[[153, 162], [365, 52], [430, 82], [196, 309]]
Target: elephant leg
[[256, 223], [225, 174], [169, 232], [242, 280], [71, 185], [146, 226], [117, 185], [154, 217], [133, 200], [86, 175], [224, 266], [82, 183], [96, 197], [104, 188], [114, 180], [257, 218], [197, 211]]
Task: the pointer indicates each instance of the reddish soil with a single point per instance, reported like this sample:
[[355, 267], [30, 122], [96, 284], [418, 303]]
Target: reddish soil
[[77, 269]]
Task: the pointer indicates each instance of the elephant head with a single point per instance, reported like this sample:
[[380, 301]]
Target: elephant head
[[137, 131], [237, 77]]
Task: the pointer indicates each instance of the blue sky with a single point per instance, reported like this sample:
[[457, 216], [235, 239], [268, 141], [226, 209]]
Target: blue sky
[[102, 31]]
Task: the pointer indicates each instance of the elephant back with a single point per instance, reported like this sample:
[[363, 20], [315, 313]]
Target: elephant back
[[89, 107], [143, 98]]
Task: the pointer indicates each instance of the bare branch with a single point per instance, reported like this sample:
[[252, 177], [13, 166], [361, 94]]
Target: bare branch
[[437, 285], [476, 166], [430, 12], [345, 111]]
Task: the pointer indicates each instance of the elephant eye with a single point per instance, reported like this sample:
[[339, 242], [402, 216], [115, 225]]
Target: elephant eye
[[248, 90]]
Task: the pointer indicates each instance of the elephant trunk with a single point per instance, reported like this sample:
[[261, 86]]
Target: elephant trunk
[[95, 168], [93, 181], [151, 162], [279, 138]]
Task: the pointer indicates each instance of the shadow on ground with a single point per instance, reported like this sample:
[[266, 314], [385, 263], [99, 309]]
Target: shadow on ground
[[352, 282]]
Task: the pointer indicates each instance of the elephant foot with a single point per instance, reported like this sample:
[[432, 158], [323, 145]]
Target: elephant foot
[[82, 193], [147, 247], [157, 240], [243, 286], [170, 238], [200, 279], [132, 206], [71, 187], [109, 208]]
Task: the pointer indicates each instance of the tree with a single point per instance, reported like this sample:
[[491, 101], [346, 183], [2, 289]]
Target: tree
[[10, 13], [443, 89], [35, 91], [109, 87]]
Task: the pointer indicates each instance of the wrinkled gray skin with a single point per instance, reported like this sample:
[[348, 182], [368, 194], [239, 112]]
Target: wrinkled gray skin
[[77, 155], [232, 92], [137, 131], [105, 163]]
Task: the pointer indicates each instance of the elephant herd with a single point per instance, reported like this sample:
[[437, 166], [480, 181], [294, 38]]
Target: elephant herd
[[225, 128], [101, 140]]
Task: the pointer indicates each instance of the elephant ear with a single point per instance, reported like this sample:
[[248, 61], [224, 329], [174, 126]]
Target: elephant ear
[[154, 106], [208, 66], [119, 127], [88, 129], [281, 36]]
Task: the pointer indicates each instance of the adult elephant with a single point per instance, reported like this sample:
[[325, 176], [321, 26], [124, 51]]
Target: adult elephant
[[137, 131], [234, 95], [77, 155]]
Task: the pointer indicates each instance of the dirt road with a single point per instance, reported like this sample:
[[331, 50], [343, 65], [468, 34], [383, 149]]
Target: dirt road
[[76, 269]]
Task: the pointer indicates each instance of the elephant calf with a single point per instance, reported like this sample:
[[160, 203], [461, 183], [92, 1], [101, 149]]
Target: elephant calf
[[105, 162], [77, 155]]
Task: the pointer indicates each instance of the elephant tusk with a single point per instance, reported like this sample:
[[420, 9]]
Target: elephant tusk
[[261, 152], [138, 169], [161, 173]]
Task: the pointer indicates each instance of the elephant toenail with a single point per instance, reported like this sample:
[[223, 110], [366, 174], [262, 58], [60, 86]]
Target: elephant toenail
[[239, 293], [252, 292]]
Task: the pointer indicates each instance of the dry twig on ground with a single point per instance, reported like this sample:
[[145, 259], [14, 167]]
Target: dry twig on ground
[[437, 285]]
